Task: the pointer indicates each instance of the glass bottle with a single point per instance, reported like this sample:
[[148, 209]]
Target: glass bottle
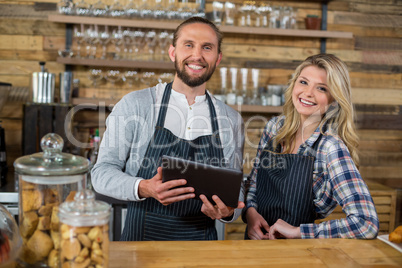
[[220, 94], [255, 100], [84, 231], [231, 95], [46, 180], [242, 97]]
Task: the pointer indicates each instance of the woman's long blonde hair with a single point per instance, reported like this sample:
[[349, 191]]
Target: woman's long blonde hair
[[339, 116]]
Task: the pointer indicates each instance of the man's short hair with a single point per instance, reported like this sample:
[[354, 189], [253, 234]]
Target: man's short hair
[[192, 20]]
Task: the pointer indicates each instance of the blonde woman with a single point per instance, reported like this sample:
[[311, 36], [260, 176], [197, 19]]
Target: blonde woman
[[306, 162]]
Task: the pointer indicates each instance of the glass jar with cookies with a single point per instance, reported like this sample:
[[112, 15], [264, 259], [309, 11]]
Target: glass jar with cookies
[[84, 232], [46, 180]]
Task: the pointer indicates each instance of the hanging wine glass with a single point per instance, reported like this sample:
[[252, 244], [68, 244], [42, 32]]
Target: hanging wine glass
[[171, 10], [185, 10], [127, 43], [150, 39], [159, 10], [165, 77], [104, 39], [162, 41], [91, 38], [78, 37], [131, 77], [131, 9], [113, 76], [145, 9], [117, 40], [198, 10], [88, 35], [217, 12], [149, 79], [95, 75], [82, 8], [65, 7], [247, 11], [264, 10], [99, 9], [138, 41], [230, 13], [116, 9]]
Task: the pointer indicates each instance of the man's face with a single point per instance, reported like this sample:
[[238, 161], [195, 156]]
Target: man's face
[[196, 54]]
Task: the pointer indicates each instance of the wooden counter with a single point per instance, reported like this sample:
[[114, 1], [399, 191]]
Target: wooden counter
[[284, 253]]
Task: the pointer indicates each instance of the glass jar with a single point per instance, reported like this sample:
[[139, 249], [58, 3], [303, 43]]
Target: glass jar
[[46, 180], [10, 239], [84, 231]]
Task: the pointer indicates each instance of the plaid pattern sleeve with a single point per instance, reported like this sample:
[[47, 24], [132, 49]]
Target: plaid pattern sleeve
[[341, 184], [251, 183]]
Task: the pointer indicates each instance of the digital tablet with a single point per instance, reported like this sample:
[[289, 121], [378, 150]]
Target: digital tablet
[[205, 179]]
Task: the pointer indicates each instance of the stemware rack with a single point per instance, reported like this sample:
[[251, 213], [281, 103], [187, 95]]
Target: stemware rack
[[171, 25]]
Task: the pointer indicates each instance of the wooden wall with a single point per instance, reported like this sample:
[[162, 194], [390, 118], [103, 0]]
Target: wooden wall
[[374, 57]]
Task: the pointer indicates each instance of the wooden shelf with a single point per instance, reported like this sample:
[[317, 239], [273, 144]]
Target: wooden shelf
[[171, 25], [257, 109], [117, 63], [94, 102]]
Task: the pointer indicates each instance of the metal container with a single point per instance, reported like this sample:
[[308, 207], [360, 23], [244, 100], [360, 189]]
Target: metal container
[[43, 84], [66, 87], [46, 180], [84, 231]]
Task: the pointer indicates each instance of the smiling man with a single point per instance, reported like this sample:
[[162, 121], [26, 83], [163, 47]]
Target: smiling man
[[180, 119]]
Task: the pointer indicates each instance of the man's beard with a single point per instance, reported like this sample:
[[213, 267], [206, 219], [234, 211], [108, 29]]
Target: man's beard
[[193, 81]]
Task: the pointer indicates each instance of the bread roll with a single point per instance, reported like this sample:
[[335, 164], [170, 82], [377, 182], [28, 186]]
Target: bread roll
[[396, 235], [29, 223], [44, 223], [46, 210], [31, 200], [41, 244]]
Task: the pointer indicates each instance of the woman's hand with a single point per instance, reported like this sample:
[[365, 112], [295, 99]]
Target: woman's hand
[[165, 192], [282, 229], [220, 210], [257, 226]]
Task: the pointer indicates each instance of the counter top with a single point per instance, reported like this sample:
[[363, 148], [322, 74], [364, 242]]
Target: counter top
[[9, 191], [239, 253]]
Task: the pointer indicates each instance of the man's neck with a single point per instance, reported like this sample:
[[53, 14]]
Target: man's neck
[[189, 92]]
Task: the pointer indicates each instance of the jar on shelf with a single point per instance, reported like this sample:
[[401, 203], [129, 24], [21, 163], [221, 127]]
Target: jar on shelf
[[46, 180], [84, 231]]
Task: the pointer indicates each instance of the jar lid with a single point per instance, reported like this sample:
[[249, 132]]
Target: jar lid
[[84, 210], [54, 165]]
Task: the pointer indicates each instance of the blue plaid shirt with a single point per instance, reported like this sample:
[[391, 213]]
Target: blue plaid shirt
[[336, 181]]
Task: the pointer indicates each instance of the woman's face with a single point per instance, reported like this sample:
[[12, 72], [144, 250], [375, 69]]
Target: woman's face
[[310, 94]]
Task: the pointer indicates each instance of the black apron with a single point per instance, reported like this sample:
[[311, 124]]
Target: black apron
[[285, 187], [149, 219]]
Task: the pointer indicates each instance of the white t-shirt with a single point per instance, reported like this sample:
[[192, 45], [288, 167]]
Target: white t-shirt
[[183, 120]]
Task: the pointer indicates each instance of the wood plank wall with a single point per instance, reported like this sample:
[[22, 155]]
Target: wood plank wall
[[374, 57]]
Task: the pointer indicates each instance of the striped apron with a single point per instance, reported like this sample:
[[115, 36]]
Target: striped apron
[[149, 219], [285, 187]]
